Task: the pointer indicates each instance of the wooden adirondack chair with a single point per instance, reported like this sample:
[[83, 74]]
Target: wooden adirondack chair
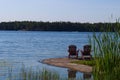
[[86, 53], [72, 51]]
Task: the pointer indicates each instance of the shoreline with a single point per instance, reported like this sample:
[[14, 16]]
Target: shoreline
[[66, 63]]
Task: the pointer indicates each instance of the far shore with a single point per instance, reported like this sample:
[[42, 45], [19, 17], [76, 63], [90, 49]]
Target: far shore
[[66, 63]]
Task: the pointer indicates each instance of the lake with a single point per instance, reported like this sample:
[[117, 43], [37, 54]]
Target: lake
[[30, 47]]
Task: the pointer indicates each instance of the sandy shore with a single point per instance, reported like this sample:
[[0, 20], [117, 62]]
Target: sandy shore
[[65, 62]]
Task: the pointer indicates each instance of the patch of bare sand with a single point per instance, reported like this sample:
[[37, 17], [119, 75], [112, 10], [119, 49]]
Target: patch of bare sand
[[65, 62]]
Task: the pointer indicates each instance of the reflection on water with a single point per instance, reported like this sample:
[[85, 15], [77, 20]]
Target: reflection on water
[[72, 75], [87, 76]]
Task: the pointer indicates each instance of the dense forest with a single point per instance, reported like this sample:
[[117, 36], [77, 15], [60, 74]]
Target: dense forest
[[59, 26]]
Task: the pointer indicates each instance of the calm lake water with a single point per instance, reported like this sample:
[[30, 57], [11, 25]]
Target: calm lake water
[[30, 47]]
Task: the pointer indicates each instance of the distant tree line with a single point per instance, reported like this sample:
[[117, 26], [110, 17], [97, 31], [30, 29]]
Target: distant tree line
[[59, 26]]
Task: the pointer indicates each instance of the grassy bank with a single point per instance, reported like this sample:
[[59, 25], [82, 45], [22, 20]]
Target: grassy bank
[[106, 49], [85, 62], [106, 46]]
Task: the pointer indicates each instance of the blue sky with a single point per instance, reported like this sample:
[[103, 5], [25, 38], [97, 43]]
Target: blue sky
[[60, 10]]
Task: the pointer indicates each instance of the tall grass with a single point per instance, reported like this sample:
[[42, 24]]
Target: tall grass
[[106, 48], [29, 74], [32, 74]]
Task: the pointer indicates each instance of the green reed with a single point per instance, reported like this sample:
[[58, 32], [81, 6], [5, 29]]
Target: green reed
[[33, 74], [38, 75], [106, 48]]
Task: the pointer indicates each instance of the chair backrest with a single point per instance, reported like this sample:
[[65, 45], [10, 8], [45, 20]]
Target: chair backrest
[[72, 48], [87, 49]]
